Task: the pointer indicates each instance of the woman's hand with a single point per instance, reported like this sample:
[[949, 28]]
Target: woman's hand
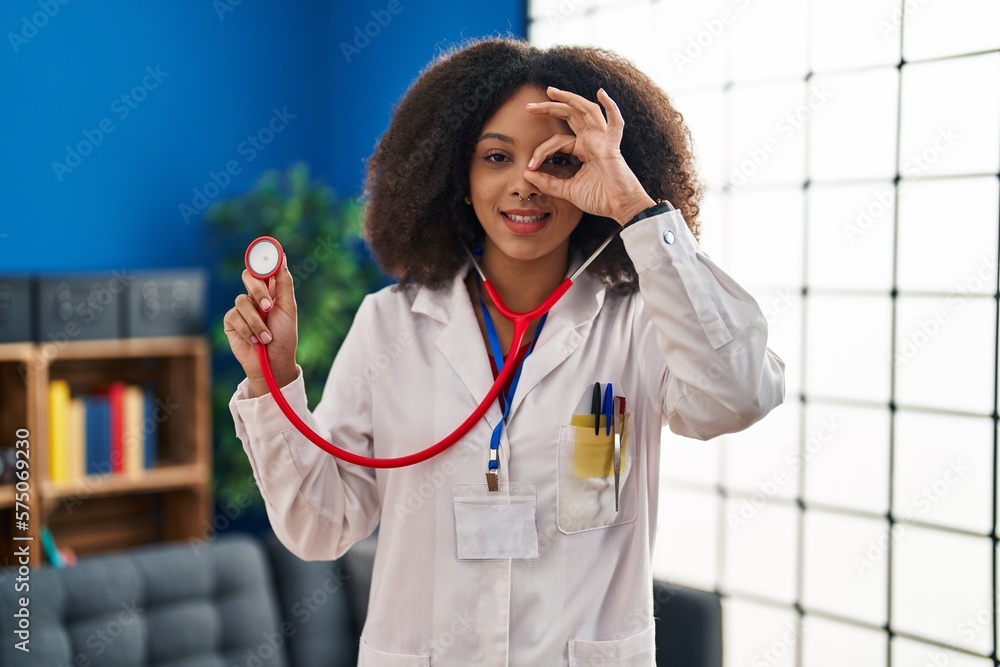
[[244, 327], [604, 185]]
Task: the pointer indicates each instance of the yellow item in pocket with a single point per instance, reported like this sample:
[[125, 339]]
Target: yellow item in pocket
[[593, 455]]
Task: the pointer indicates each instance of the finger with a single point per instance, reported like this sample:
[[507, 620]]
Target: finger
[[283, 286], [589, 109], [258, 291], [557, 109], [578, 122], [548, 185], [616, 122], [246, 308], [233, 322], [557, 143]]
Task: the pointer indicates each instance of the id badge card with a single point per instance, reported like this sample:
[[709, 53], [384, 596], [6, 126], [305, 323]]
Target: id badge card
[[496, 525]]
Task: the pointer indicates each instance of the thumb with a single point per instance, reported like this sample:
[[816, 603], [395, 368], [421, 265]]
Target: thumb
[[284, 292], [548, 184]]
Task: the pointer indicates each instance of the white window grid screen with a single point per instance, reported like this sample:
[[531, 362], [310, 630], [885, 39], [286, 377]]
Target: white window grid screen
[[851, 155]]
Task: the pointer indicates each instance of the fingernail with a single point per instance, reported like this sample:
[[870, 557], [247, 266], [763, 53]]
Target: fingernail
[[553, 88], [253, 339], [531, 163], [530, 104], [265, 336], [265, 304]]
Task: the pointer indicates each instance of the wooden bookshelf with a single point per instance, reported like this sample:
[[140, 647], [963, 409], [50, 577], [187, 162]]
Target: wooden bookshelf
[[95, 513]]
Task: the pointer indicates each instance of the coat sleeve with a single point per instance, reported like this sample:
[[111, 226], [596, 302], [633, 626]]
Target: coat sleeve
[[318, 505], [705, 336]]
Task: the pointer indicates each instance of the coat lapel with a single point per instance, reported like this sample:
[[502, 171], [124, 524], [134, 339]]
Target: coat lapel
[[460, 343]]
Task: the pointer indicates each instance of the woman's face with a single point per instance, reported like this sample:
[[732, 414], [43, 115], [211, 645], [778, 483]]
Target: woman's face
[[521, 230]]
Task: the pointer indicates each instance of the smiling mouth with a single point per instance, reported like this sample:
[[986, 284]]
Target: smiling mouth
[[525, 219], [526, 225]]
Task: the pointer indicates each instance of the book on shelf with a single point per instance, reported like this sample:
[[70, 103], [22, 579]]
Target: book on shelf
[[110, 429], [133, 453], [115, 399], [97, 446], [58, 437], [76, 431]]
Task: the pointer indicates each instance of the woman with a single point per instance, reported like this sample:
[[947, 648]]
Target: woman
[[533, 158]]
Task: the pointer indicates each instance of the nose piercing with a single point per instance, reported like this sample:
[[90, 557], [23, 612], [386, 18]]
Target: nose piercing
[[528, 199]]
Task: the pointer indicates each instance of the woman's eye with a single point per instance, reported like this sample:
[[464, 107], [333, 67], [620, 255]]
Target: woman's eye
[[562, 166], [561, 160], [489, 158]]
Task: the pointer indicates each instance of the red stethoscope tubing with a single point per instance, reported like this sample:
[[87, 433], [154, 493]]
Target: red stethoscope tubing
[[521, 322]]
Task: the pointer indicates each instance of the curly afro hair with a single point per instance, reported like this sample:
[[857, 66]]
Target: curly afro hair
[[415, 215]]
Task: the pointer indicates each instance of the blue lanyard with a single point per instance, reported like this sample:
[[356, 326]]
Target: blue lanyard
[[506, 399]]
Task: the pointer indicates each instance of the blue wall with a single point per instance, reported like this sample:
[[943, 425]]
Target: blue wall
[[221, 69]]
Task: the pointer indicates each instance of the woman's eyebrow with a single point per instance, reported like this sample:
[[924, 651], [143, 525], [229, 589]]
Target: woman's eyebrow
[[496, 135]]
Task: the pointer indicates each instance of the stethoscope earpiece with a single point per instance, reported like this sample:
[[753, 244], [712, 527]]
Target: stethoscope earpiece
[[263, 257]]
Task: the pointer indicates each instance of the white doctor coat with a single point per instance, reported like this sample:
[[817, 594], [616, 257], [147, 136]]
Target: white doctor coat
[[690, 351]]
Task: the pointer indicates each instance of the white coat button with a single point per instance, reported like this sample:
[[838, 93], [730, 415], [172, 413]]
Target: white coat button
[[668, 237]]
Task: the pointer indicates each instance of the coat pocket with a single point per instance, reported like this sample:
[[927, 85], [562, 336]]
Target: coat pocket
[[585, 493], [635, 651], [369, 656]]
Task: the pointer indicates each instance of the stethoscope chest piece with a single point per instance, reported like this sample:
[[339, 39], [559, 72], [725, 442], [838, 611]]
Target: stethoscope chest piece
[[263, 257]]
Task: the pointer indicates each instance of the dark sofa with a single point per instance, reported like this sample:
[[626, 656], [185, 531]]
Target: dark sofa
[[247, 601]]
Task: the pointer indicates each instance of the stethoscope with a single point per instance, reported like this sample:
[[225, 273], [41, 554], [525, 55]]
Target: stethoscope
[[264, 259]]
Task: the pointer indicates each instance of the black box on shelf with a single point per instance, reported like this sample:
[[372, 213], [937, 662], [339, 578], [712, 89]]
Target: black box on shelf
[[165, 303], [80, 307], [17, 306]]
